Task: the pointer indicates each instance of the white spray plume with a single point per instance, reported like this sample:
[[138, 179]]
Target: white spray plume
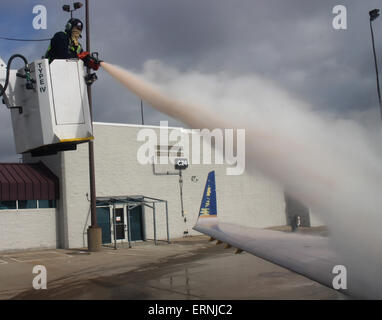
[[330, 165]]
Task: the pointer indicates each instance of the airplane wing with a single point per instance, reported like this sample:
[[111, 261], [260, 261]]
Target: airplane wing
[[308, 255]]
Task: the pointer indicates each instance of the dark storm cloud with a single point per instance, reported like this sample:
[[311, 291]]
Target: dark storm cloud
[[291, 42]]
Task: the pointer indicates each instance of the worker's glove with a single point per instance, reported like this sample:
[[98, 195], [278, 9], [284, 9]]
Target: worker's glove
[[85, 57], [90, 60]]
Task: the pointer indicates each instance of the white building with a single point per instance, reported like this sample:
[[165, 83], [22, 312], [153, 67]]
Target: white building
[[29, 223]]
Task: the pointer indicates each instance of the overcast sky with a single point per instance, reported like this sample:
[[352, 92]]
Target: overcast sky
[[291, 42]]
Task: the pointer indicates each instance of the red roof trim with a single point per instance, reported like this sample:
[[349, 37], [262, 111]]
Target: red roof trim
[[23, 181]]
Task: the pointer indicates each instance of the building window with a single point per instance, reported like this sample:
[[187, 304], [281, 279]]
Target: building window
[[7, 205], [46, 204], [27, 204]]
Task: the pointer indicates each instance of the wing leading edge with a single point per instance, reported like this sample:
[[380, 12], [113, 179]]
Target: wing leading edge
[[310, 256]]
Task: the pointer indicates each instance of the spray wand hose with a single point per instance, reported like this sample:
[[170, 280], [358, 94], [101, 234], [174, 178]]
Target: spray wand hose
[[27, 75]]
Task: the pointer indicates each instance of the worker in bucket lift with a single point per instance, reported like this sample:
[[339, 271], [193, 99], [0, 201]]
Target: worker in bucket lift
[[66, 45]]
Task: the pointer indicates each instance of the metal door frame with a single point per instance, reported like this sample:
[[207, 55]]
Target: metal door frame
[[130, 202], [114, 230]]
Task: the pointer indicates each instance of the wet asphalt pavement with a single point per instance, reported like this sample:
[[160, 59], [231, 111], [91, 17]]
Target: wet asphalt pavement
[[209, 272]]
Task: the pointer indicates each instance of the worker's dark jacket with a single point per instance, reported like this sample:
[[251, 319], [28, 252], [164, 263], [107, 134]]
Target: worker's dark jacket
[[62, 47]]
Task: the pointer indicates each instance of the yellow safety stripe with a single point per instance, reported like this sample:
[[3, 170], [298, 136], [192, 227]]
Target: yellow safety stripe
[[77, 139]]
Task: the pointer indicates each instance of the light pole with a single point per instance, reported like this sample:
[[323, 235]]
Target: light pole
[[143, 122], [374, 14], [76, 6], [94, 232]]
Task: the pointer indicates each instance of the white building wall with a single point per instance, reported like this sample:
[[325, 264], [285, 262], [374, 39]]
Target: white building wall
[[315, 220], [25, 229], [255, 200], [252, 200], [56, 164]]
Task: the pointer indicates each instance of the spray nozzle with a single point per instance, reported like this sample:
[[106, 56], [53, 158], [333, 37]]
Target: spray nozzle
[[94, 61], [95, 56], [91, 60]]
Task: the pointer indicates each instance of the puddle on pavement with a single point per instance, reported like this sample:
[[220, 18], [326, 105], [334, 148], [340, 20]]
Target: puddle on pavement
[[211, 273]]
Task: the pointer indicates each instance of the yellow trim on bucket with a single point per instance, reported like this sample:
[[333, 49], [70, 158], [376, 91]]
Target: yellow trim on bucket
[[77, 139]]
